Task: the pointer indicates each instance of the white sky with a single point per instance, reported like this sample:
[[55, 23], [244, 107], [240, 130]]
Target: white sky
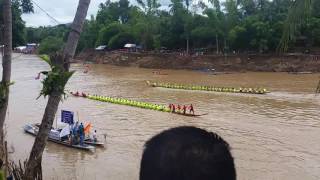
[[62, 10]]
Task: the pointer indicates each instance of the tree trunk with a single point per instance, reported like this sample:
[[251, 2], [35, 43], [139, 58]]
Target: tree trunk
[[76, 29], [33, 168], [217, 44], [6, 65], [188, 45]]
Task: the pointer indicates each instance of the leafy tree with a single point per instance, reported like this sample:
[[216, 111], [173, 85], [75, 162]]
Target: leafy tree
[[50, 45], [107, 32], [119, 40], [237, 25]]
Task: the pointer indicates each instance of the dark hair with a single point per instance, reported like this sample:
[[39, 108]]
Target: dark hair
[[187, 153]]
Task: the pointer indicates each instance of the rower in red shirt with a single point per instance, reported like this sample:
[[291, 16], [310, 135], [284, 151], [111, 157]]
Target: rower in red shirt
[[173, 108], [184, 108], [191, 109], [179, 108]]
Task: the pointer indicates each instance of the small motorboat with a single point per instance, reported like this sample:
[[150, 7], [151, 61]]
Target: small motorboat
[[54, 136]]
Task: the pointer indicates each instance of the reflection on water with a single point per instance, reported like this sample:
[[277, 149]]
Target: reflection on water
[[273, 136]]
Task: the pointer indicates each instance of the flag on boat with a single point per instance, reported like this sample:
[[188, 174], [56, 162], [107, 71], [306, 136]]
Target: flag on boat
[[67, 117], [87, 128]]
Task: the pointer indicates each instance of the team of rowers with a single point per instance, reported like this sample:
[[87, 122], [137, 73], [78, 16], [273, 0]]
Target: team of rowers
[[181, 109], [79, 94], [173, 108]]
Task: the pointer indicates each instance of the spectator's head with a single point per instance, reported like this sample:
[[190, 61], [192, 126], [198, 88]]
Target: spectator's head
[[187, 153]]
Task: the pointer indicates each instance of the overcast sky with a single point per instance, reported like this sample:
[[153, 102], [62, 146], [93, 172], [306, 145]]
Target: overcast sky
[[62, 10]]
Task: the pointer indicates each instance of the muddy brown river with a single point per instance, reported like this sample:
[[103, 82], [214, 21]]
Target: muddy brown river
[[274, 136]]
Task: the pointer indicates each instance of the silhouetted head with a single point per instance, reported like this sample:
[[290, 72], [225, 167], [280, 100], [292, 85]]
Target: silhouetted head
[[187, 153]]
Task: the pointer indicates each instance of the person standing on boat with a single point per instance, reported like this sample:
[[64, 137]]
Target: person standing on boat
[[173, 108], [94, 136], [191, 109], [184, 108], [81, 134], [70, 137], [179, 108]]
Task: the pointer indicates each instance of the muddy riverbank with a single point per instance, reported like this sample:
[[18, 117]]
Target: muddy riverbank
[[236, 63]]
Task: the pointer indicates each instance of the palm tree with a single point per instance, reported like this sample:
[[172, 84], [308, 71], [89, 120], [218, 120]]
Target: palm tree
[[297, 15], [187, 29], [55, 89], [6, 65]]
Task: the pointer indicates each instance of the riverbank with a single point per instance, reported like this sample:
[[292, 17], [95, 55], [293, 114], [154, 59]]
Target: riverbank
[[236, 63]]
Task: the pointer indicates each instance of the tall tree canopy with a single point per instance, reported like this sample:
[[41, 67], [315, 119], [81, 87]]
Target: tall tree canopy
[[219, 26], [18, 7]]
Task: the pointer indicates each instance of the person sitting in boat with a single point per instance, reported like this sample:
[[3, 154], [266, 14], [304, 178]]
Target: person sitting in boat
[[170, 107], [83, 94], [191, 109]]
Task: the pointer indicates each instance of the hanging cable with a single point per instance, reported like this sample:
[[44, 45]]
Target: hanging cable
[[55, 20]]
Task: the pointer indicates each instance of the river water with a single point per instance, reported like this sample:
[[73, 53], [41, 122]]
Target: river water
[[274, 136]]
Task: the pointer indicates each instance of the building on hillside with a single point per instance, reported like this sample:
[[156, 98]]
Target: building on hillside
[[31, 48], [130, 47], [101, 48]]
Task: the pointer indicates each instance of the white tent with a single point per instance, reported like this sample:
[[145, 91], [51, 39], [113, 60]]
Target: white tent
[[129, 45]]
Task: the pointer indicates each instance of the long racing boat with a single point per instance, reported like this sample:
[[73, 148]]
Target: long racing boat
[[209, 88], [139, 104]]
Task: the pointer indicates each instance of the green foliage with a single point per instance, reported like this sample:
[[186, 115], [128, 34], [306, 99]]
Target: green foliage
[[36, 35], [229, 25], [119, 40], [4, 88], [203, 35], [107, 32], [50, 45], [18, 7], [55, 80], [297, 16]]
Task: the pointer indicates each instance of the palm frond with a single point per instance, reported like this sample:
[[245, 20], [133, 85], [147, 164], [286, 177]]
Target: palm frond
[[297, 15]]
